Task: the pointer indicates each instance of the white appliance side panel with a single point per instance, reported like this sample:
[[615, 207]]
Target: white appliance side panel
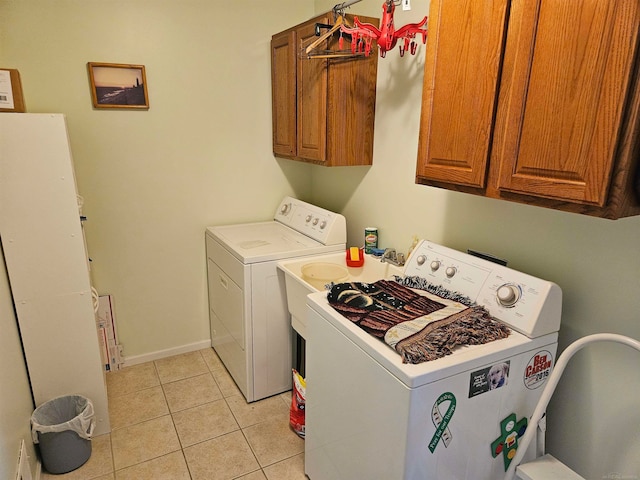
[[227, 262], [483, 430], [226, 300], [265, 367], [46, 260], [41, 230], [234, 359], [60, 336], [362, 422], [272, 351], [229, 316], [356, 427]]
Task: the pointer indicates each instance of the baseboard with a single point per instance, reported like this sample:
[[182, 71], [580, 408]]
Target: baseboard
[[169, 352]]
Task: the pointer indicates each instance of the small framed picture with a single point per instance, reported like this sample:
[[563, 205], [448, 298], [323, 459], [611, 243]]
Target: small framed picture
[[118, 85], [11, 99]]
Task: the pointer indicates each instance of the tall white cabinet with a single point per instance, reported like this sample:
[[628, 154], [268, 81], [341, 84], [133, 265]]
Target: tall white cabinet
[[46, 260]]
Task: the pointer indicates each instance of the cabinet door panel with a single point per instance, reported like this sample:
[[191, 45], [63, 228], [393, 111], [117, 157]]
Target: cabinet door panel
[[283, 93], [351, 103], [460, 89], [312, 101], [566, 78]]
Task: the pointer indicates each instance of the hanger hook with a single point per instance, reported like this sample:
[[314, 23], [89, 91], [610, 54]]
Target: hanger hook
[[339, 8]]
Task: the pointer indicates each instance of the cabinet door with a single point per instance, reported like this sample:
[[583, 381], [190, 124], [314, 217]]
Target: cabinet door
[[312, 99], [462, 67], [351, 104], [567, 71], [283, 93]]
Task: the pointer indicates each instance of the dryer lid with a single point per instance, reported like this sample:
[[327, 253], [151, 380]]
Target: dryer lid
[[265, 241]]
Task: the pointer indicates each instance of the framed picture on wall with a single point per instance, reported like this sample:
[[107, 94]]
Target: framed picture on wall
[[118, 85], [11, 99]]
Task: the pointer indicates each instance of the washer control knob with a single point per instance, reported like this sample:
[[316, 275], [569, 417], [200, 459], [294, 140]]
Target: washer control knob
[[285, 209], [421, 259], [435, 265], [323, 224], [450, 271], [308, 218], [508, 294], [315, 221]]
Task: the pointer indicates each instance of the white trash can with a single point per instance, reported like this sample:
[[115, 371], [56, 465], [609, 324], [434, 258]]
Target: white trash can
[[63, 427]]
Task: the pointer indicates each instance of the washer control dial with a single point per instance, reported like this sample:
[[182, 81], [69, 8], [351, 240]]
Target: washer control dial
[[285, 209], [308, 218], [450, 271], [421, 259], [508, 294], [435, 265]]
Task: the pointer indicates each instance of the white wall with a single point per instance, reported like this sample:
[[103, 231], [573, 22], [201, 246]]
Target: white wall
[[594, 417], [153, 180]]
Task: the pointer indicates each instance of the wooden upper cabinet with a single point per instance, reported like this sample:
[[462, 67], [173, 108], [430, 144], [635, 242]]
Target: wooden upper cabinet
[[333, 105], [553, 118], [312, 99], [568, 68], [462, 68], [283, 85]]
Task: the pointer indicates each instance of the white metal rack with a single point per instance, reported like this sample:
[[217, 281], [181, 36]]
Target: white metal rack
[[547, 466]]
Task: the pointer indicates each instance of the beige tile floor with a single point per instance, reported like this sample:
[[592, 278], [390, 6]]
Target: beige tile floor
[[183, 418]]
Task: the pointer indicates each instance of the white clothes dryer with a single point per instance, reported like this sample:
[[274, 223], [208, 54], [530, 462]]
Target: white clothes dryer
[[368, 415], [250, 325]]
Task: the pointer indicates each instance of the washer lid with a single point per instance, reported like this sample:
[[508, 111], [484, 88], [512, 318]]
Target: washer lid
[[266, 241], [461, 360]]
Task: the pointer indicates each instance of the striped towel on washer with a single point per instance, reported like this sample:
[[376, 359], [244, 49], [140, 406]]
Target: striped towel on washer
[[422, 322]]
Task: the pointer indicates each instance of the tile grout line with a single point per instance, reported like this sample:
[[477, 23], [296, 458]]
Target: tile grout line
[[182, 447], [225, 395], [236, 420], [235, 417], [164, 393]]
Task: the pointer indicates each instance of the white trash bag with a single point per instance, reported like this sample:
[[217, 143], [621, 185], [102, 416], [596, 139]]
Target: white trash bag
[[63, 428], [70, 412]]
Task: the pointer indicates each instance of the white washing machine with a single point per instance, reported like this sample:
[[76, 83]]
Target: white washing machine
[[250, 324], [370, 416]]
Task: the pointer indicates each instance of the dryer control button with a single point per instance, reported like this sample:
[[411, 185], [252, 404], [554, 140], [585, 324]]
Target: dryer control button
[[508, 294]]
